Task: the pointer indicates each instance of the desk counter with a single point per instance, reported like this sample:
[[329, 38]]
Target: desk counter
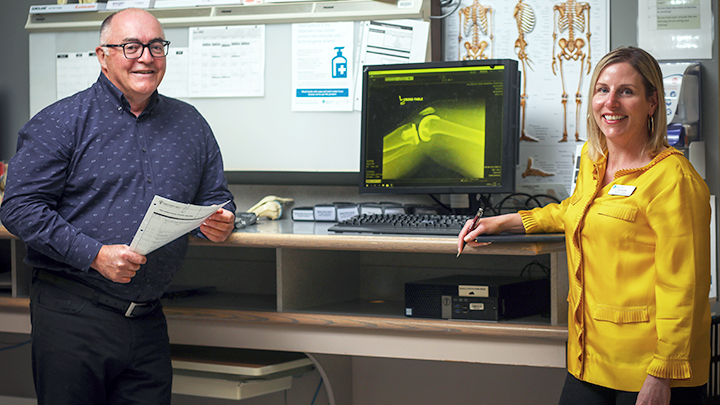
[[304, 318]]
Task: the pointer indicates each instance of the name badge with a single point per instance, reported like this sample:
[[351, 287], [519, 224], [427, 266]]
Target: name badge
[[619, 189]]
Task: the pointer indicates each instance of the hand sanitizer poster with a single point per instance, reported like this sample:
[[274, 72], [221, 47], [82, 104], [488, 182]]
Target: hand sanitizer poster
[[322, 63]]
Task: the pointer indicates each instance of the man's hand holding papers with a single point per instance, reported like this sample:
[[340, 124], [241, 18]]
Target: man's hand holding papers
[[167, 220]]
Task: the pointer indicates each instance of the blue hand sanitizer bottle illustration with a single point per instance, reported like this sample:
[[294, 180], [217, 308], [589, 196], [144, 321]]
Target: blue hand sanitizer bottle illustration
[[339, 64]]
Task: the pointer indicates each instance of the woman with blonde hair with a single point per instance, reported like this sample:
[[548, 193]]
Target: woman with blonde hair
[[637, 231]]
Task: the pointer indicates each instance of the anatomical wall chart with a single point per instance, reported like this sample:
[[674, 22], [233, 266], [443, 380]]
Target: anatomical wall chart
[[557, 44]]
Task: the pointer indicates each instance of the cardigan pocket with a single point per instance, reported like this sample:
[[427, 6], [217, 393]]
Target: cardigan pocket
[[619, 211], [609, 313]]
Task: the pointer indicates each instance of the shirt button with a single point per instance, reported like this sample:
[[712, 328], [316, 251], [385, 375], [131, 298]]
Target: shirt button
[[144, 150], [149, 180]]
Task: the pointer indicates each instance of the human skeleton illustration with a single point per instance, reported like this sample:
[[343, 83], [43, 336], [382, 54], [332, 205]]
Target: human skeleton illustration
[[476, 19], [570, 16], [525, 18]]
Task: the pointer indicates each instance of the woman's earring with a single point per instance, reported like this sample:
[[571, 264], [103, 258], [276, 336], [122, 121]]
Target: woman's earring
[[651, 124]]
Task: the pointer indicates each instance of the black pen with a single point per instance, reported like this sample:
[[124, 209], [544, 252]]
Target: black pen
[[474, 225]]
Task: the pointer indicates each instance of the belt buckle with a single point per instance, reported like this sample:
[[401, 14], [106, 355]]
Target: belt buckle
[[131, 308]]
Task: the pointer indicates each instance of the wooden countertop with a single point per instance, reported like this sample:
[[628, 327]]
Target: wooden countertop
[[280, 234], [288, 234], [4, 234], [328, 321]]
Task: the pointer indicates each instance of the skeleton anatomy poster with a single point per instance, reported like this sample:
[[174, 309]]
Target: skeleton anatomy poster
[[558, 44]]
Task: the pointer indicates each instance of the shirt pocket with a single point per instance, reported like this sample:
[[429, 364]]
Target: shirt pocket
[[623, 212], [615, 314]]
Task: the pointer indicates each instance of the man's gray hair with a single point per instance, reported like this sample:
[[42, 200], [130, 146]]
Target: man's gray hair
[[105, 28]]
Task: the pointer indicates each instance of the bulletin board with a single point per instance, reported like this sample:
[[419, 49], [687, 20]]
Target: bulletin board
[[257, 135]]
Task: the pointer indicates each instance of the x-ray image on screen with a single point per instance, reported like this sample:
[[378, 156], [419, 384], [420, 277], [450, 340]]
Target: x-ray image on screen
[[440, 142], [440, 127]]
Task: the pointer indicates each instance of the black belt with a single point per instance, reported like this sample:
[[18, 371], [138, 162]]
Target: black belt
[[128, 308]]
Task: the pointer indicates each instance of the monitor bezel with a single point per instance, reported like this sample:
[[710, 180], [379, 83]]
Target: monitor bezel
[[511, 129]]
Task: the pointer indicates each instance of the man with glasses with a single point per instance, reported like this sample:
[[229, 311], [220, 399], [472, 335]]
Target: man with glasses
[[86, 169]]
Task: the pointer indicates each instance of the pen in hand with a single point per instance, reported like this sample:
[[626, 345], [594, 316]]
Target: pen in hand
[[474, 225]]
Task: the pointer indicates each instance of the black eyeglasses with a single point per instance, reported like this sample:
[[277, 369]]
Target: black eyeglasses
[[134, 50]]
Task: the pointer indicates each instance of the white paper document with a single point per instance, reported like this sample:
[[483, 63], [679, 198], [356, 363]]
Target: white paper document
[[75, 71], [227, 61], [671, 29], [167, 220], [388, 42], [176, 81]]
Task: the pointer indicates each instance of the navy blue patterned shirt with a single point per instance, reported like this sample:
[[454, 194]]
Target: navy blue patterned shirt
[[86, 170]]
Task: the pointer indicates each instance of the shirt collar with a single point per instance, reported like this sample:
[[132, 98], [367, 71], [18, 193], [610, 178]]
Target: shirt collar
[[119, 98], [600, 165]]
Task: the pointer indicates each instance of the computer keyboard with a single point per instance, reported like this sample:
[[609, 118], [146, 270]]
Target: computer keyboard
[[403, 224]]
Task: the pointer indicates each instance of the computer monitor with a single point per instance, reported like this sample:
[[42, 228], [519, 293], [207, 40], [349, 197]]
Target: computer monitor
[[440, 127]]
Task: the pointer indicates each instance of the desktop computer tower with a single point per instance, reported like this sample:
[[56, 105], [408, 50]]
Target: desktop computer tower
[[482, 298]]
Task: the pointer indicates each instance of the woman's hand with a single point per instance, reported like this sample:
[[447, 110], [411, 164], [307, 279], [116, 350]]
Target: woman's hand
[[489, 226], [654, 391]]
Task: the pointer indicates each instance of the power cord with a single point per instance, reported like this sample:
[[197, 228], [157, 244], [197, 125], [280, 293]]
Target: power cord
[[15, 346], [525, 204], [316, 392], [440, 203], [529, 266], [524, 200], [546, 271]]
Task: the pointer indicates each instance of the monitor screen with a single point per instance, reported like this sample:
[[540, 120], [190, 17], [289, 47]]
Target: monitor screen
[[440, 127]]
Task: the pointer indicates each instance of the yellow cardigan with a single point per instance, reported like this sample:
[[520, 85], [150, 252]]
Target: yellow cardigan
[[639, 272]]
